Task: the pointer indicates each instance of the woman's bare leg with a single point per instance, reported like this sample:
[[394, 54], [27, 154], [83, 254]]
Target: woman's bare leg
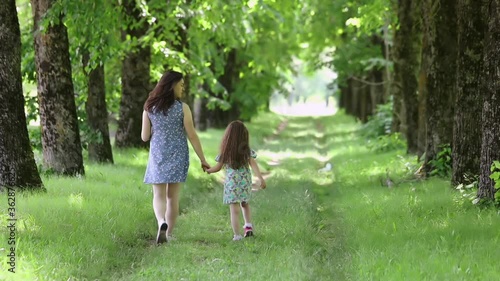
[[160, 201], [172, 211], [159, 206]]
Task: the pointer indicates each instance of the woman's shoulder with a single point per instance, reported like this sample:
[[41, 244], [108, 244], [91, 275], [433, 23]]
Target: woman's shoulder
[[184, 106]]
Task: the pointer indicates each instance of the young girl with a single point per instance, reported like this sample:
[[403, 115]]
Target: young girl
[[235, 156]]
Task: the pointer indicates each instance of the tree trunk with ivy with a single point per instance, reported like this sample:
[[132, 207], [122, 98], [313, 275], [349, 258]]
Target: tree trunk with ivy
[[490, 149], [467, 130], [17, 162], [99, 145], [406, 57], [439, 22], [135, 80], [62, 150]]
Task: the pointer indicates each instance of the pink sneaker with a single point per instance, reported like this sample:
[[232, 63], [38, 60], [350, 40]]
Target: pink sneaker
[[248, 231]]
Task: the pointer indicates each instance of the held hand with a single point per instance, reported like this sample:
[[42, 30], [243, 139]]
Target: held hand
[[205, 166]]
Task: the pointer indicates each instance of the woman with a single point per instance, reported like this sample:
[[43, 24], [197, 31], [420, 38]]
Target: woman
[[167, 121]]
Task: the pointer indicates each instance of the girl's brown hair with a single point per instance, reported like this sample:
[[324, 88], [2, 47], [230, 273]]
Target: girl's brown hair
[[234, 149], [162, 97]]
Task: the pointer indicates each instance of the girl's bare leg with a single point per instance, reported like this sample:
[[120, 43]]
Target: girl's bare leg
[[245, 208], [235, 218]]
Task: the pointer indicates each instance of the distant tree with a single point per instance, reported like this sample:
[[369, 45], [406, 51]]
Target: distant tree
[[135, 78], [407, 43], [99, 145]]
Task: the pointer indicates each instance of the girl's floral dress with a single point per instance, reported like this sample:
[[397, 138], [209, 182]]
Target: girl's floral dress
[[238, 183]]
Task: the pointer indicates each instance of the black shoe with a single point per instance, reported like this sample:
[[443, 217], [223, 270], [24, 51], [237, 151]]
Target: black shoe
[[162, 234]]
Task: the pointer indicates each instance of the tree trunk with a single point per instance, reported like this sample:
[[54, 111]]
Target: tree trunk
[[355, 93], [422, 112], [490, 149], [422, 89], [184, 48], [363, 104], [99, 146], [376, 90], [397, 99], [200, 114], [17, 163], [395, 86], [219, 118], [440, 26], [386, 51], [406, 53], [62, 150], [467, 130], [346, 96], [343, 99], [135, 81]]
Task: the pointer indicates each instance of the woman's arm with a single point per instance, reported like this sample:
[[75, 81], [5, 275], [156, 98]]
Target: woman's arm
[[146, 127], [215, 168], [256, 170], [193, 136]]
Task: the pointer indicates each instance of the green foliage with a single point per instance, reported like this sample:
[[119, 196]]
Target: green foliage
[[468, 192], [380, 123], [495, 176], [35, 136], [31, 108], [193, 37], [27, 41], [386, 143], [442, 164]]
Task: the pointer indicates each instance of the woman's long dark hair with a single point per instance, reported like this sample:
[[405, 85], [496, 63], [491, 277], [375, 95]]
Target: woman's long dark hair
[[234, 149], [162, 97]]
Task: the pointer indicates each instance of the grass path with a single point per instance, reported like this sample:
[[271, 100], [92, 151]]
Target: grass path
[[101, 227], [310, 225], [414, 231]]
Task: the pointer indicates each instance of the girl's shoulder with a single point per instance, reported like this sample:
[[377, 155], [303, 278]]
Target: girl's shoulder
[[253, 154]]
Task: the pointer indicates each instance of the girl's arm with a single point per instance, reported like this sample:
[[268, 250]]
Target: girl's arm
[[146, 127], [193, 136], [215, 168], [256, 170]]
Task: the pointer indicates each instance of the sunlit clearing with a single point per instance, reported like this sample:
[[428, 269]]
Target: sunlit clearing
[[305, 93], [309, 108]]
